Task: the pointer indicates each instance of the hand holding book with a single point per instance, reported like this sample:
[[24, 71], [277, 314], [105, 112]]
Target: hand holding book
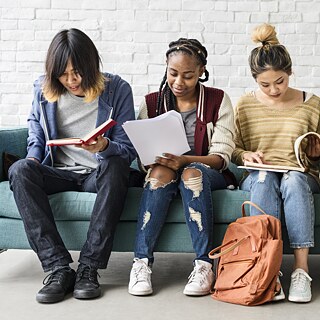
[[99, 145], [313, 148], [249, 156], [87, 139]]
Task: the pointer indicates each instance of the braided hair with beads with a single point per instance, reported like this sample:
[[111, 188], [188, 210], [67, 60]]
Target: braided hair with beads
[[191, 47]]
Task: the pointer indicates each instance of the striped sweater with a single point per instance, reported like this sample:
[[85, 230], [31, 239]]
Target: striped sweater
[[274, 131]]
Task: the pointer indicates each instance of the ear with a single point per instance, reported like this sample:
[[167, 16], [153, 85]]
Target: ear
[[201, 71]]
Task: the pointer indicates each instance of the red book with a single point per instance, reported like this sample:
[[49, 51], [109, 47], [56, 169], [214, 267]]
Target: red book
[[87, 139]]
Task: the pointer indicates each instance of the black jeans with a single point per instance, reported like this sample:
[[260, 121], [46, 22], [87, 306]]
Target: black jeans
[[31, 184]]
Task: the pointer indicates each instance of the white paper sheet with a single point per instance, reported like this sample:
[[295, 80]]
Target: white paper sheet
[[155, 136]]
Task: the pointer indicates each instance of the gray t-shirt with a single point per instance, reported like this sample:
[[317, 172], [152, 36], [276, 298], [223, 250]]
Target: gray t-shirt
[[189, 121], [75, 118]]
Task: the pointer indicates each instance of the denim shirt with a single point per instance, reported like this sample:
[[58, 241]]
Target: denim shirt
[[116, 101]]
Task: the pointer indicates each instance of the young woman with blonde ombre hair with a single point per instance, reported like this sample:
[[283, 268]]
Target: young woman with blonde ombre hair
[[71, 99]]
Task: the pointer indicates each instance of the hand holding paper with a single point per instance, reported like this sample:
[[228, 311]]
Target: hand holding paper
[[171, 161], [155, 136]]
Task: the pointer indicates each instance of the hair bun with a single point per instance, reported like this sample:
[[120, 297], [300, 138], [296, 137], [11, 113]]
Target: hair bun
[[265, 34]]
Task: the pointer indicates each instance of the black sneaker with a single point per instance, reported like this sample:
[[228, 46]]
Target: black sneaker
[[56, 285], [87, 285]]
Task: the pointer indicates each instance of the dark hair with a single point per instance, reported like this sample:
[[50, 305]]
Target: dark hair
[[191, 47], [75, 45], [271, 55]]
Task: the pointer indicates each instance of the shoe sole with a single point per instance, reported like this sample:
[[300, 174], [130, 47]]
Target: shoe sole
[[140, 293], [43, 298], [195, 293], [81, 294], [299, 299]]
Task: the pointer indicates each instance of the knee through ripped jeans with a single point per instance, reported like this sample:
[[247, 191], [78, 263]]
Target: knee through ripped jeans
[[196, 196]]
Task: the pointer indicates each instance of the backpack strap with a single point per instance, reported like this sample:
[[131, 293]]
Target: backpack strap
[[214, 255], [252, 204]]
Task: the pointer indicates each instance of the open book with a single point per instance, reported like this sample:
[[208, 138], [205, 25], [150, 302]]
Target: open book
[[87, 139], [154, 136], [278, 168]]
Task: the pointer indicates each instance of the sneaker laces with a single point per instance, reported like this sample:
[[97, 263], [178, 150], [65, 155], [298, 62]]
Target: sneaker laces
[[87, 272], [198, 274], [141, 271], [55, 276], [299, 280]]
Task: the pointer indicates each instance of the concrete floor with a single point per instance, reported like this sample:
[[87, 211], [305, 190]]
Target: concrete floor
[[21, 277]]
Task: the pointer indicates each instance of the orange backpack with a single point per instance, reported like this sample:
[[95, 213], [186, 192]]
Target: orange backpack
[[250, 263]]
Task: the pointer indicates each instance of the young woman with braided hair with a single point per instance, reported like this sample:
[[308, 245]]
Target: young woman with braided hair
[[207, 114]]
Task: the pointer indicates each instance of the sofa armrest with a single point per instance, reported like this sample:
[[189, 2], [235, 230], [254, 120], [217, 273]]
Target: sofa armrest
[[12, 140]]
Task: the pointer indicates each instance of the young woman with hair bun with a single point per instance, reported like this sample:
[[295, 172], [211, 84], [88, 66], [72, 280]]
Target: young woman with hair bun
[[268, 121]]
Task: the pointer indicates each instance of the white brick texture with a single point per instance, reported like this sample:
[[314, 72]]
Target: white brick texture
[[132, 37]]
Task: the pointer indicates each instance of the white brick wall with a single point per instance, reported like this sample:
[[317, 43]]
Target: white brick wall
[[132, 37]]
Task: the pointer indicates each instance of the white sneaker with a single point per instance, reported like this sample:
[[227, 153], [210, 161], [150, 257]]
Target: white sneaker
[[200, 279], [140, 278], [280, 294], [300, 287]]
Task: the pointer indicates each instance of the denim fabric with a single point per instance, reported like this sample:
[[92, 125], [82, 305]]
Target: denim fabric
[[198, 212], [294, 190], [31, 184]]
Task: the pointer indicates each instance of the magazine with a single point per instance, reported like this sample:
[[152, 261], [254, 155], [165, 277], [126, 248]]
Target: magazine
[[279, 168]]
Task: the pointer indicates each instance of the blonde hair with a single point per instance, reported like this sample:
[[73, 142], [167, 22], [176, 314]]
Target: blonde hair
[[76, 46], [271, 55], [266, 34], [90, 94]]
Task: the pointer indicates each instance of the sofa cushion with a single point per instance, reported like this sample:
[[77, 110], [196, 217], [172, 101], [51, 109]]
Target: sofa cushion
[[73, 206], [66, 205], [78, 205]]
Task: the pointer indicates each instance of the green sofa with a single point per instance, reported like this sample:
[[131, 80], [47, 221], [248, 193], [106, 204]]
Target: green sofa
[[72, 212]]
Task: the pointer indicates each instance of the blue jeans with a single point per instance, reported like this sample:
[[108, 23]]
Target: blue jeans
[[31, 184], [294, 190], [197, 208]]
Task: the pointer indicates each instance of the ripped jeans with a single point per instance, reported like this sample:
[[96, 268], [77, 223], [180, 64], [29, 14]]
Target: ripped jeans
[[197, 203], [294, 190]]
